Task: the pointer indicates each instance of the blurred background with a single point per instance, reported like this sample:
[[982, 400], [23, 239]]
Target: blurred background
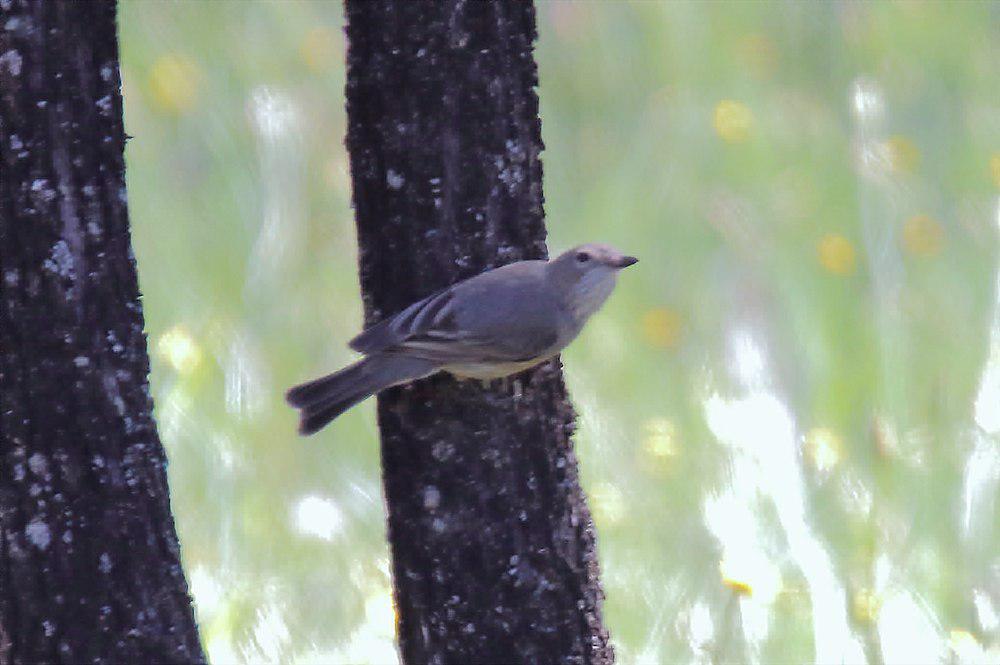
[[790, 409]]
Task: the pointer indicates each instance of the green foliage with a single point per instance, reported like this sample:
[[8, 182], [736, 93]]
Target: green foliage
[[784, 399]]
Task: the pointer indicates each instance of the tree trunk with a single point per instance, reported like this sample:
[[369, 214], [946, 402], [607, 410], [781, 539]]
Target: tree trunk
[[89, 561], [492, 543]]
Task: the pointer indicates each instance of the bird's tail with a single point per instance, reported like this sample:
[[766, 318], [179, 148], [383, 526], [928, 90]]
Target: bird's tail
[[325, 398]]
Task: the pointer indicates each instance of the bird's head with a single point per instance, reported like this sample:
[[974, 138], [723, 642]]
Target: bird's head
[[587, 274]]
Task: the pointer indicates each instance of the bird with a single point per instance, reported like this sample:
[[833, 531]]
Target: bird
[[489, 326]]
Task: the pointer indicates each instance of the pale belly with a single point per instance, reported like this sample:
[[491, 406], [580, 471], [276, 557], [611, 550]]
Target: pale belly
[[491, 370]]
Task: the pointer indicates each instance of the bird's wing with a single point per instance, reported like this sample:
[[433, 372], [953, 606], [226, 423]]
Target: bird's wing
[[433, 329], [431, 313], [508, 314], [465, 347]]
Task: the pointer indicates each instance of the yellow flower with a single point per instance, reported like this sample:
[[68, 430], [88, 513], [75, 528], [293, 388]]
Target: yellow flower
[[738, 586], [823, 448], [173, 81], [319, 48], [865, 605], [662, 327], [904, 155], [836, 254], [733, 121], [922, 236], [178, 348], [751, 574], [661, 438]]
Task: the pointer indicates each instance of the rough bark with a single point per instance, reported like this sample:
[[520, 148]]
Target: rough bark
[[492, 543], [89, 561]]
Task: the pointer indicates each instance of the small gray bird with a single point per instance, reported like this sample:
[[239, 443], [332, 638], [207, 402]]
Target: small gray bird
[[489, 326]]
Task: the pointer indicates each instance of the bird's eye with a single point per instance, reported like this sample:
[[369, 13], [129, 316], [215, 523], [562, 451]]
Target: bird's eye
[[582, 257]]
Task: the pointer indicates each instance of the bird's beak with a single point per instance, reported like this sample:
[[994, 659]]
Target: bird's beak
[[626, 261]]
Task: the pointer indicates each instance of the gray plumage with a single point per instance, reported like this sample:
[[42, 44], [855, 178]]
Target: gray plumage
[[492, 325]]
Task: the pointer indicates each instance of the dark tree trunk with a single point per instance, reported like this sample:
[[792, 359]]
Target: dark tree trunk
[[492, 543], [89, 561]]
